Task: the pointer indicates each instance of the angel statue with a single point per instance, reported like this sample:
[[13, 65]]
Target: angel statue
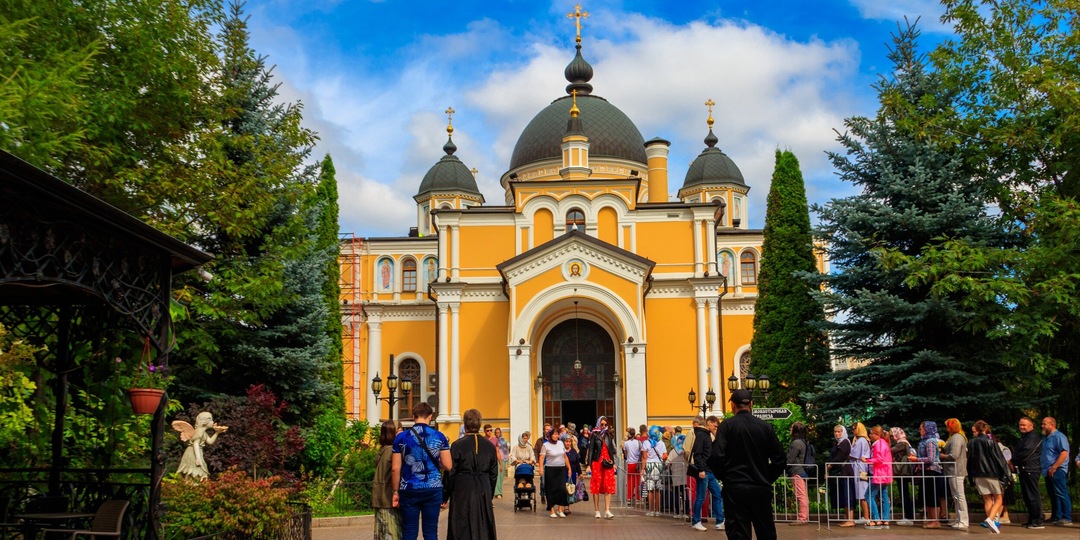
[[192, 463]]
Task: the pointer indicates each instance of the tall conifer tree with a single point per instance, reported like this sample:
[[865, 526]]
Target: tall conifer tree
[[788, 344], [921, 356]]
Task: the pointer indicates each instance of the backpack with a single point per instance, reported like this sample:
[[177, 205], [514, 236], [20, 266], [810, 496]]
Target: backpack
[[809, 457]]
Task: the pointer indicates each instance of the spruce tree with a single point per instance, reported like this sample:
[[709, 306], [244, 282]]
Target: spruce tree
[[788, 343], [327, 248], [920, 354]]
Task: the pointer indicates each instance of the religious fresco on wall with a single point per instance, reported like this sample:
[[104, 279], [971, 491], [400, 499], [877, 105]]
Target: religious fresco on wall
[[725, 259], [431, 269], [384, 276]]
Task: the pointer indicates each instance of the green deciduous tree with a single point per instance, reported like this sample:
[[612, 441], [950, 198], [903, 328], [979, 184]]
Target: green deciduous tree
[[1014, 67], [788, 345], [924, 354]]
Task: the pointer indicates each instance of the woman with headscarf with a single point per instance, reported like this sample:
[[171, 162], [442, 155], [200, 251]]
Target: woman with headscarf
[[387, 517], [839, 474], [523, 452], [901, 449], [928, 455], [553, 471], [654, 453], [602, 453], [677, 463], [860, 450]]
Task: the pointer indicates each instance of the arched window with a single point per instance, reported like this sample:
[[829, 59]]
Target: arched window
[[744, 365], [748, 268], [408, 275], [575, 217], [409, 369]]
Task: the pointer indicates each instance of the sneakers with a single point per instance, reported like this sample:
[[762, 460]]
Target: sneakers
[[720, 526], [798, 523], [597, 514], [609, 515], [992, 525], [698, 527], [553, 516], [560, 514], [1034, 526], [1064, 523]]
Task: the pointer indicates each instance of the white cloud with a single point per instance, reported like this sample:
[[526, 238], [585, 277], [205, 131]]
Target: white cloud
[[385, 127], [927, 11]]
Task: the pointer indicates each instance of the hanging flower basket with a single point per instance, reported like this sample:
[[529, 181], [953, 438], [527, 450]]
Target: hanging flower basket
[[145, 400]]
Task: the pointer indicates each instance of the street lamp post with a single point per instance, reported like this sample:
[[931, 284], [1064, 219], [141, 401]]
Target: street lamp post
[[392, 388], [707, 405], [753, 384]]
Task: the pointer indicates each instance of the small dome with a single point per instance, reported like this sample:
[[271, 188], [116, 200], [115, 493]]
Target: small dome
[[712, 166], [610, 131], [449, 174], [578, 73]]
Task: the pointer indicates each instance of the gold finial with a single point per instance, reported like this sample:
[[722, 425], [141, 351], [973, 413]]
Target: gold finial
[[710, 104], [573, 109], [475, 171], [577, 15], [450, 120]]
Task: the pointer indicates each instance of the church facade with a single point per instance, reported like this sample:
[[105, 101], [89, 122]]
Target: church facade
[[587, 292]]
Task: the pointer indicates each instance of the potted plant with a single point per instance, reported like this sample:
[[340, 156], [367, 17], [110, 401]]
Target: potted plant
[[148, 384]]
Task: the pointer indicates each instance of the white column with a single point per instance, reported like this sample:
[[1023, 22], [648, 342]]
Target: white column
[[712, 265], [444, 363], [714, 347], [357, 382], [374, 361], [697, 248], [444, 261], [455, 359], [455, 250], [703, 381], [521, 391], [637, 411]]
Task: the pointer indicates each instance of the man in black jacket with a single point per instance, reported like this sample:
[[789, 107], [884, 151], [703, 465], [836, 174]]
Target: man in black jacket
[[1025, 459], [748, 458], [704, 478]]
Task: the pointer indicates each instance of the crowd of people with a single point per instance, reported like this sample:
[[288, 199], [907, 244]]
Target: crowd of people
[[861, 472], [419, 472]]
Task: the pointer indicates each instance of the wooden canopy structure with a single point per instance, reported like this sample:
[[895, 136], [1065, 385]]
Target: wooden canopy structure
[[74, 269]]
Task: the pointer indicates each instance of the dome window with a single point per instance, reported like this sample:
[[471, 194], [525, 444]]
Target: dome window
[[575, 217]]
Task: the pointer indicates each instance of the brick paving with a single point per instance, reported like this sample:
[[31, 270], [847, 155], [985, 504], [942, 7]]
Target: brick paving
[[632, 524]]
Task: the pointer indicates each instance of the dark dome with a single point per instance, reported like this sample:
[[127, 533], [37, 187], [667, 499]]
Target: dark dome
[[610, 132], [449, 174], [712, 166]]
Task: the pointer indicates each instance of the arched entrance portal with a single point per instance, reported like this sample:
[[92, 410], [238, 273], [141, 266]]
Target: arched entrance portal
[[578, 395]]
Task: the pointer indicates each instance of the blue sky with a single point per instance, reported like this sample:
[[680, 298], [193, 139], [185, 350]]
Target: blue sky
[[375, 78]]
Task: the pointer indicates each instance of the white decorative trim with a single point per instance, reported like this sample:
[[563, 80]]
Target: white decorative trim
[[536, 265], [628, 318]]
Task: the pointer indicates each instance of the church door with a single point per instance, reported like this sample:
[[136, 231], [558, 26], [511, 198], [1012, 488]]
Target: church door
[[578, 393]]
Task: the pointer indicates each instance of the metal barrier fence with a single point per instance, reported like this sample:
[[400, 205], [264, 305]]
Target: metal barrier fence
[[922, 497]]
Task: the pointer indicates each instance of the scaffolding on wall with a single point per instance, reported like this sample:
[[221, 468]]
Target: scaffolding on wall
[[349, 259]]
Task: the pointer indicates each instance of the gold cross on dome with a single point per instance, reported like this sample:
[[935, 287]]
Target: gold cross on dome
[[449, 119], [577, 15], [710, 105]]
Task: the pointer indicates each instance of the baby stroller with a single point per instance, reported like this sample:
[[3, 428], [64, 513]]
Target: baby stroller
[[524, 487]]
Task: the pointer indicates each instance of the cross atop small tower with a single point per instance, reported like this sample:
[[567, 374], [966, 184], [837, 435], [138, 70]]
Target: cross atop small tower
[[710, 105], [450, 120], [577, 15]]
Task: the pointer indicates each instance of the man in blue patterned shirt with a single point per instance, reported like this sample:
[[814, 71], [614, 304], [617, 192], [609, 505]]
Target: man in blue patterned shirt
[[419, 453]]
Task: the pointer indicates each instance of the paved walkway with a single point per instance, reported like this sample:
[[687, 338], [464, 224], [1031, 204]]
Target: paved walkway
[[632, 524]]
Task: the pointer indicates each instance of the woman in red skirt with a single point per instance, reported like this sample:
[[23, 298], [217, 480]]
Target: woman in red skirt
[[602, 454]]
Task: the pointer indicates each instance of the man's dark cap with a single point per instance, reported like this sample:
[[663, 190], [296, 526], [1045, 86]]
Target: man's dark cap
[[740, 397]]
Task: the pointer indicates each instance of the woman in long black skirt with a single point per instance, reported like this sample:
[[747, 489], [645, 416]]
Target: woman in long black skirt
[[841, 476], [553, 467]]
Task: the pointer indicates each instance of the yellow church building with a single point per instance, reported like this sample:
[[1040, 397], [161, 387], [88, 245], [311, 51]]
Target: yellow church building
[[587, 292]]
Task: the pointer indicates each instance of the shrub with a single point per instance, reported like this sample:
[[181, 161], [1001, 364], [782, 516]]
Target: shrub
[[232, 503]]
